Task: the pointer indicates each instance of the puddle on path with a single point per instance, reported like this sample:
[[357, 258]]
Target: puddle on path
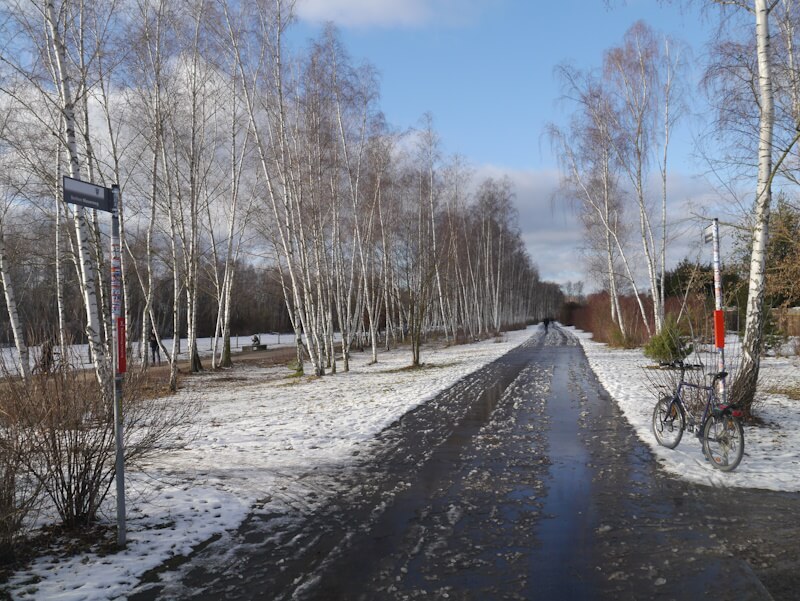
[[560, 568]]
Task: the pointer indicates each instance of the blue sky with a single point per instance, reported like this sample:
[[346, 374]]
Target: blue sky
[[485, 70]]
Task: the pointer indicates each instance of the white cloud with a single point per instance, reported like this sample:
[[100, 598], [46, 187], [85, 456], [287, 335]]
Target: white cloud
[[551, 232], [387, 13]]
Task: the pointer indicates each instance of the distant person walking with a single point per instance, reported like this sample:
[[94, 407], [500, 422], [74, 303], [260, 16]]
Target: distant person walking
[[154, 348], [46, 361], [546, 322]]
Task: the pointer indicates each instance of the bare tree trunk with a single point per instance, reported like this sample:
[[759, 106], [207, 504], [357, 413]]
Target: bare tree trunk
[[387, 276], [148, 288], [62, 329], [176, 320], [13, 315], [744, 387], [176, 285], [87, 268]]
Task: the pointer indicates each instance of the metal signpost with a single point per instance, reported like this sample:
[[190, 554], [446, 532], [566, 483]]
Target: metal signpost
[[107, 199], [712, 235]]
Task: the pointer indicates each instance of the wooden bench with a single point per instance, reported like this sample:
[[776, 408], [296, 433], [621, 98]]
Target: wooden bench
[[254, 347]]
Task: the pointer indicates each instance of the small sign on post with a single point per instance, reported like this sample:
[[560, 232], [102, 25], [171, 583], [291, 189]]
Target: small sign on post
[[708, 234]]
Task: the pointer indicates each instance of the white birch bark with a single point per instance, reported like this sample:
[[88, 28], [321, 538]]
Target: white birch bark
[[87, 268], [353, 147], [239, 151], [13, 316], [104, 85], [176, 303], [636, 69], [57, 194], [148, 324], [745, 384]]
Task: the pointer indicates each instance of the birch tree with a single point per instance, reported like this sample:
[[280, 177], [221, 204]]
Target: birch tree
[[590, 175], [455, 180], [640, 79], [11, 304], [235, 218], [371, 242], [65, 83], [44, 59], [270, 99], [416, 275], [744, 386], [147, 66], [5, 276], [429, 157]]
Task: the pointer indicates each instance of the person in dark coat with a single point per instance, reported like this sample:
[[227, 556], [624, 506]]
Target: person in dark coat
[[47, 356], [154, 348]]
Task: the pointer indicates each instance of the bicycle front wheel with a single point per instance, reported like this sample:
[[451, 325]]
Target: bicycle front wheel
[[723, 441], [668, 422]]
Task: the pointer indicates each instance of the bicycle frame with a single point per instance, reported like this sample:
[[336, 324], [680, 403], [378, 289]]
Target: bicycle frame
[[691, 425], [711, 402]]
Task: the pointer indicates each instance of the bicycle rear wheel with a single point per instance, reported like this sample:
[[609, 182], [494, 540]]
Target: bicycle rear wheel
[[723, 441], [668, 422]]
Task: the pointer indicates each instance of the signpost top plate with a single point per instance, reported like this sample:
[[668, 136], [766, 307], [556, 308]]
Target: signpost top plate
[[88, 195], [708, 234]]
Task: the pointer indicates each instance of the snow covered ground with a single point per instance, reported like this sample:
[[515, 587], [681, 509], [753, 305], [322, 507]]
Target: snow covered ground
[[267, 440]]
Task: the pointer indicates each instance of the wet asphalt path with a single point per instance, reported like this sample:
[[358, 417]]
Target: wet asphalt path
[[522, 481]]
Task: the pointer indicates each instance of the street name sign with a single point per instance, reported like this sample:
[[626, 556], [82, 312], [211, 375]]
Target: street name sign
[[88, 195]]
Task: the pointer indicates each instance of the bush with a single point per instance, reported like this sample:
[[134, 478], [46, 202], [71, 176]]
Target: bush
[[595, 316], [68, 426], [19, 493], [774, 336], [617, 340], [668, 345]]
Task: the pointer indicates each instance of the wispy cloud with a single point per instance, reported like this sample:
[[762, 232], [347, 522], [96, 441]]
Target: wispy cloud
[[389, 13], [550, 231]]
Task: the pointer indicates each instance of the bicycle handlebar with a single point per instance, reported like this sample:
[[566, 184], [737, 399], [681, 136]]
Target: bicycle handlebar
[[681, 365]]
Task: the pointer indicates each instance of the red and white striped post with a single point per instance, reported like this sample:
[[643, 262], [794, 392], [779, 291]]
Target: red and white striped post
[[719, 313]]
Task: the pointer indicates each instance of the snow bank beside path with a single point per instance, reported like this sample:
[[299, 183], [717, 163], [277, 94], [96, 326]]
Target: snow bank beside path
[[772, 452], [265, 440]]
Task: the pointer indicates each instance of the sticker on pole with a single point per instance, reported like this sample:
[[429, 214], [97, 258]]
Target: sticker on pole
[[121, 359], [719, 329]]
